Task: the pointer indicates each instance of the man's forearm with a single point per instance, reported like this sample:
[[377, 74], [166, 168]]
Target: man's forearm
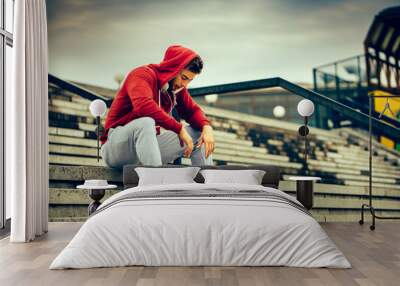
[[207, 126]]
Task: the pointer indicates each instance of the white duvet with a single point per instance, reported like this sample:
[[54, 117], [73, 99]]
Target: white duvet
[[185, 230]]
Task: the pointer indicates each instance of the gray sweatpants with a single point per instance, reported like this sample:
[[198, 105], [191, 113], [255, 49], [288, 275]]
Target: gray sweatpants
[[137, 143]]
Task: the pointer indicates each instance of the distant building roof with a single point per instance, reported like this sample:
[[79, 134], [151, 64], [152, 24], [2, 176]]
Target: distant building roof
[[384, 32]]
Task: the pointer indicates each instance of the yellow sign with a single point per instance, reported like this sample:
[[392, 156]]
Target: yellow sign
[[390, 108]]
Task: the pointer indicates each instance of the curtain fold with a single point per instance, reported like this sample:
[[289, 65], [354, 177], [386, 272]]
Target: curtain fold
[[27, 124]]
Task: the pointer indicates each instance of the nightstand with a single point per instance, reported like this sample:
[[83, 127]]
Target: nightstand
[[96, 191], [305, 189]]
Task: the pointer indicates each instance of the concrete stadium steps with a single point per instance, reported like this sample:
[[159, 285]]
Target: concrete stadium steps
[[232, 141], [70, 147], [66, 203], [361, 137], [76, 146], [352, 166], [352, 154], [71, 108], [340, 157], [72, 196], [231, 125], [77, 141], [88, 138], [343, 203], [59, 93], [351, 182], [350, 175], [362, 163], [352, 171], [74, 160], [357, 150], [63, 159], [72, 119], [86, 130], [232, 149], [74, 112], [341, 162], [289, 143], [272, 125], [70, 104], [289, 186], [78, 174], [66, 106], [253, 149], [333, 139], [72, 150], [233, 144], [331, 202], [69, 98], [254, 161], [67, 132], [76, 125], [218, 160], [251, 154], [366, 178]]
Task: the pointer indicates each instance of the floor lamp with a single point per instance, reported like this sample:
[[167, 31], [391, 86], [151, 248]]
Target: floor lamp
[[369, 205], [305, 184], [98, 108], [305, 108]]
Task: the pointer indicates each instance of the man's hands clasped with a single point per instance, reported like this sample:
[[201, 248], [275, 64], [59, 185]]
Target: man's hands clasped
[[188, 141], [206, 138]]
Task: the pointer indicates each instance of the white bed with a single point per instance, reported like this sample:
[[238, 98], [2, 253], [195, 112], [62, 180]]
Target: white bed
[[201, 224]]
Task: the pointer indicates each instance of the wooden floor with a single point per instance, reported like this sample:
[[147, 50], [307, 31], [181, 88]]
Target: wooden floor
[[375, 257]]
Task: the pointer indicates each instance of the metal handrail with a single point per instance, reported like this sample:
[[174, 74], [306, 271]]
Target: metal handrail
[[340, 61], [90, 95], [355, 115]]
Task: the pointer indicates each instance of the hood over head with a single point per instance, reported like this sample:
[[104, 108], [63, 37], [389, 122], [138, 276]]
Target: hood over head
[[176, 58]]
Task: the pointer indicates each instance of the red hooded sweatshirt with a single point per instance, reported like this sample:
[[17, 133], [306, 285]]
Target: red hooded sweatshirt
[[140, 94]]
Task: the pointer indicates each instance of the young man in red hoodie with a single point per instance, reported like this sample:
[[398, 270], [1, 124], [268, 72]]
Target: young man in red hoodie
[[144, 104]]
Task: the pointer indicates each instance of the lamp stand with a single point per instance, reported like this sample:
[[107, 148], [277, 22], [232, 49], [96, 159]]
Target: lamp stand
[[369, 205], [99, 132], [303, 131], [96, 195], [305, 145]]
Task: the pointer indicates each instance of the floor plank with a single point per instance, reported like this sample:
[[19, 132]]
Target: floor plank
[[375, 257]]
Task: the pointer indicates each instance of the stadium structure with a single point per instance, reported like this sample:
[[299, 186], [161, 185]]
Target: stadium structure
[[247, 133]]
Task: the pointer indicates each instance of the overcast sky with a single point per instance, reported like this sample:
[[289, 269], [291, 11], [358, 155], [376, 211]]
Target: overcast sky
[[93, 40]]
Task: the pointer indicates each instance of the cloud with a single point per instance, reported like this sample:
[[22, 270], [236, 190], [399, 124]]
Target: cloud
[[91, 40]]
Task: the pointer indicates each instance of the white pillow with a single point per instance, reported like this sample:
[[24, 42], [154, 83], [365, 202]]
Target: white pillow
[[249, 177], [164, 176]]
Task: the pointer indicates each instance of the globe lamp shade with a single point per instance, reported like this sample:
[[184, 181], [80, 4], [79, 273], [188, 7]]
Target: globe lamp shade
[[211, 98], [98, 107], [305, 108], [279, 111]]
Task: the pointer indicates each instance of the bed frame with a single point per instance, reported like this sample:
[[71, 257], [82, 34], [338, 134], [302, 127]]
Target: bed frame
[[270, 179]]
